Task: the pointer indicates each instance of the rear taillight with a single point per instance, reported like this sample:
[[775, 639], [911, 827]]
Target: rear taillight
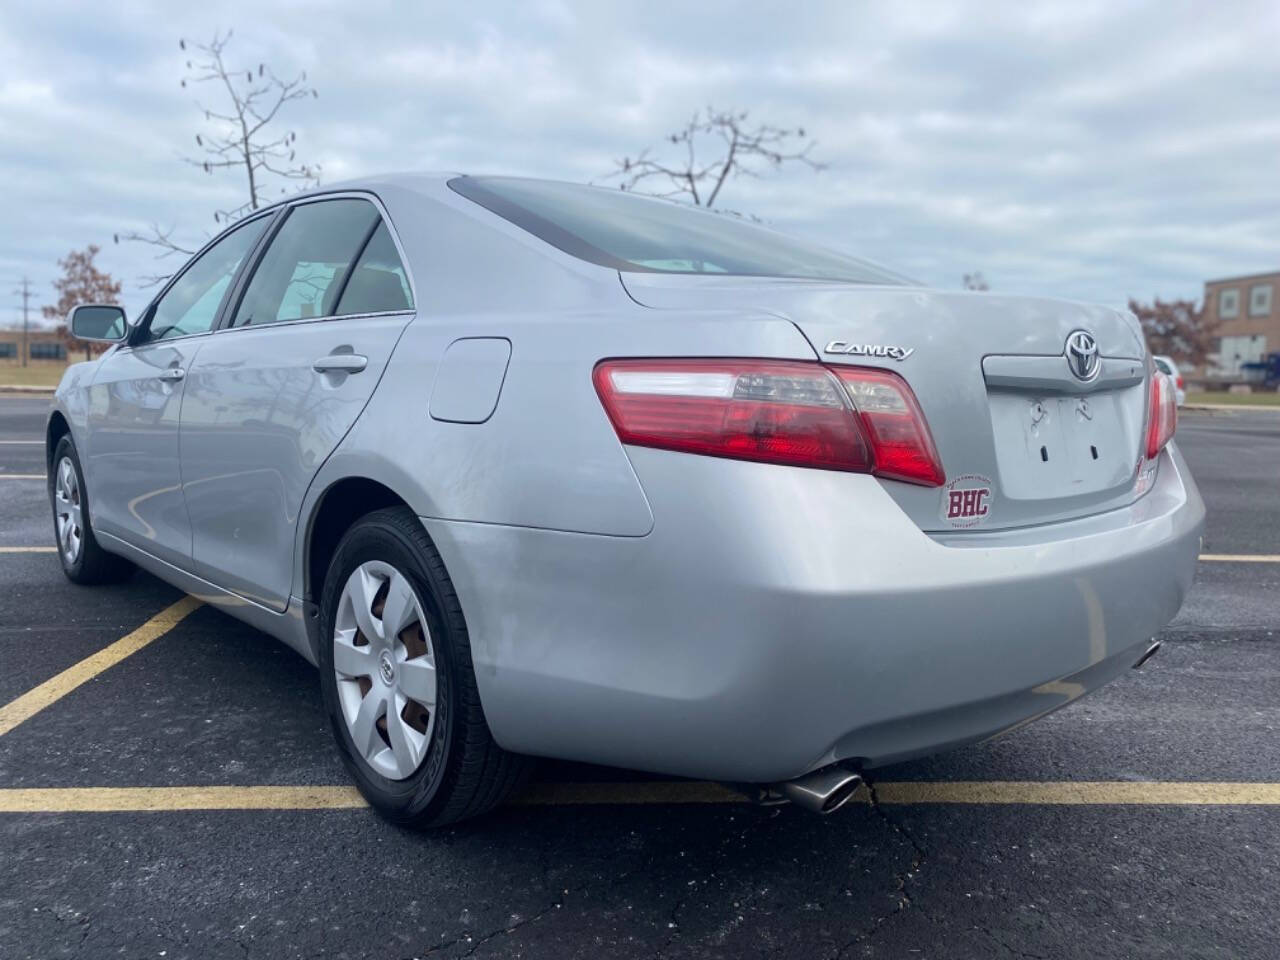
[[773, 411], [1163, 413], [895, 425], [1181, 386]]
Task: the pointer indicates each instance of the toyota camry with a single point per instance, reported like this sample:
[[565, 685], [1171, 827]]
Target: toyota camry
[[537, 469]]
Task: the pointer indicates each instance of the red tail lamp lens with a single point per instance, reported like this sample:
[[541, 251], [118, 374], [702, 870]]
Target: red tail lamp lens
[[772, 411]]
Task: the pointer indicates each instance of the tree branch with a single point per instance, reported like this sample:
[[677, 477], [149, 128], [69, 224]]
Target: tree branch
[[745, 150]]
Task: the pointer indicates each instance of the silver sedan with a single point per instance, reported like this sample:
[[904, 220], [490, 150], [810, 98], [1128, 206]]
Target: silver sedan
[[529, 468]]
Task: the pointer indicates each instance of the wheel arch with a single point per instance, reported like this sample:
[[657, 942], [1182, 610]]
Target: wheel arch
[[55, 430], [341, 504]]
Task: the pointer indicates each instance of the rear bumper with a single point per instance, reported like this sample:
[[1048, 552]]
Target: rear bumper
[[777, 619]]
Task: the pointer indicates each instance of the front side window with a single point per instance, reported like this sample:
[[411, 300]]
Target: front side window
[[642, 234], [329, 258], [191, 304]]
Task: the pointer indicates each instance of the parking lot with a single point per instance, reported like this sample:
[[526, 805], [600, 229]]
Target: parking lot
[[175, 793]]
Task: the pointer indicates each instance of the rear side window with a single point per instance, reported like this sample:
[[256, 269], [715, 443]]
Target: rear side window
[[646, 235], [1163, 367], [321, 251], [378, 283]]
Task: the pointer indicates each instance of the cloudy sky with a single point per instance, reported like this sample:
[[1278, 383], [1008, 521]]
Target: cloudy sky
[[1093, 150]]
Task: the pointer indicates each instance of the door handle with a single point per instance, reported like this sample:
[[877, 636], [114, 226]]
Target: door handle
[[340, 363], [172, 374]]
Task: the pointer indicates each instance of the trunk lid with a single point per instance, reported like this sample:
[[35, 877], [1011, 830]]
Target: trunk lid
[[993, 377]]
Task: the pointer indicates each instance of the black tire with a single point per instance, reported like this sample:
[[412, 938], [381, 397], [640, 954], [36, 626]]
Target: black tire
[[463, 773], [93, 565]]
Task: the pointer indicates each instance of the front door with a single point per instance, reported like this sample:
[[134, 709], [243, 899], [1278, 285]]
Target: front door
[[136, 398], [270, 396]]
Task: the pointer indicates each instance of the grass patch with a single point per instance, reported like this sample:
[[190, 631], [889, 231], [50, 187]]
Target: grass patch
[[35, 375], [1269, 399]]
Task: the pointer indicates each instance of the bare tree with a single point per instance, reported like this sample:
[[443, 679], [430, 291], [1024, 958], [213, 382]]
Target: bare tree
[[81, 282], [1176, 328], [714, 147], [241, 137], [976, 281]]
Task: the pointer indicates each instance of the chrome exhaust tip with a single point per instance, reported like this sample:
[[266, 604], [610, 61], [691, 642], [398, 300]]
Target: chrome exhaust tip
[[823, 791], [1151, 652]]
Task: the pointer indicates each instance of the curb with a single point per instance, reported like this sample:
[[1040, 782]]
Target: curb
[[35, 391], [1232, 407]]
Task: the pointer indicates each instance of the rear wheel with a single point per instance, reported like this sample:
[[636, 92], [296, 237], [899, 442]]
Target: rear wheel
[[397, 679], [83, 560]]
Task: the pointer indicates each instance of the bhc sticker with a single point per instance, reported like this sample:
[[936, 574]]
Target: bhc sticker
[[966, 500]]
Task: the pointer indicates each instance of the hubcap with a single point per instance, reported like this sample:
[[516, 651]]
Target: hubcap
[[66, 511], [386, 669]]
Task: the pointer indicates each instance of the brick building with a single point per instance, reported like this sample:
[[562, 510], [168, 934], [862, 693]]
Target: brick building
[[43, 346], [1247, 311]]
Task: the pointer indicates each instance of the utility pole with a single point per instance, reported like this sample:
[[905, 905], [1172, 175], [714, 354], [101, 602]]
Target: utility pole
[[25, 292]]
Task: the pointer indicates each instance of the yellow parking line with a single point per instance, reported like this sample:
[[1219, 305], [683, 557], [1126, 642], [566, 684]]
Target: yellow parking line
[[1240, 557], [1085, 792], [53, 689], [24, 476], [157, 799], [1060, 793]]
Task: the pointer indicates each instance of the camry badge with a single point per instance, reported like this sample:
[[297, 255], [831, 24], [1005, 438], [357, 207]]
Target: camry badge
[[869, 350], [1082, 355]]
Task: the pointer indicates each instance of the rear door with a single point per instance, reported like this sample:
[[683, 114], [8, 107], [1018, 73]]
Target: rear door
[[274, 391]]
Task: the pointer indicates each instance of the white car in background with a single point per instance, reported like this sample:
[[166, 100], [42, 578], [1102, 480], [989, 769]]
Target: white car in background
[[1167, 366]]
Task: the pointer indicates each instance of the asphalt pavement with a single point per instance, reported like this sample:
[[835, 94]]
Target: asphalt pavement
[[589, 872]]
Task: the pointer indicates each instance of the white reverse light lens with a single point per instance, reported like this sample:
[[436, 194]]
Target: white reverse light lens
[[668, 383]]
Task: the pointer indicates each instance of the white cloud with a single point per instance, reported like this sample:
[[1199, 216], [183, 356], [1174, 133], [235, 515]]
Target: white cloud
[[1086, 149]]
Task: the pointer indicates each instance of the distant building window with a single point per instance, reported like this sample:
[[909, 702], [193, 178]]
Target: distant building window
[[8, 349], [1260, 300], [1229, 304], [48, 351]]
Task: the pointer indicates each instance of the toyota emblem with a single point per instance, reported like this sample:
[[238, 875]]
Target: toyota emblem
[[1082, 355]]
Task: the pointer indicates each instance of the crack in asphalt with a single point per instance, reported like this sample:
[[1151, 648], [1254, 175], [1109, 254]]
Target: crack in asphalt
[[1012, 952], [475, 943], [901, 879], [478, 941]]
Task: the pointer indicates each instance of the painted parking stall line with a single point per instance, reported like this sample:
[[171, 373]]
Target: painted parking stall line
[[164, 799], [1122, 793], [57, 687], [1240, 557]]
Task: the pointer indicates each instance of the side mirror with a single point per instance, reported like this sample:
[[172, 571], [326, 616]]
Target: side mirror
[[101, 323]]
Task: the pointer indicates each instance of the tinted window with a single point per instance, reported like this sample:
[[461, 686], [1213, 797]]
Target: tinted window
[[191, 304], [301, 274], [378, 282], [1163, 367], [627, 232]]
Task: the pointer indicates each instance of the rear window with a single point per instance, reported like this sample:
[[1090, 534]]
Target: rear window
[[1163, 367], [647, 235]]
